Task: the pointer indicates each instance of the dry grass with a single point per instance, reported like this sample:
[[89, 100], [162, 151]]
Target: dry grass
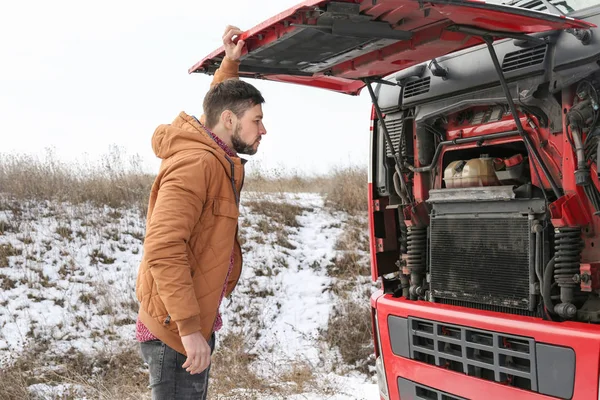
[[122, 375], [348, 190], [116, 182], [355, 236], [232, 375], [279, 212], [8, 250], [277, 181], [349, 329], [231, 366], [349, 325], [121, 181], [352, 245], [345, 188], [349, 265], [107, 375], [301, 375]]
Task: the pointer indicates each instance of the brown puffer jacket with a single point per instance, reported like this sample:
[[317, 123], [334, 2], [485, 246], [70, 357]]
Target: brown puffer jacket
[[191, 227]]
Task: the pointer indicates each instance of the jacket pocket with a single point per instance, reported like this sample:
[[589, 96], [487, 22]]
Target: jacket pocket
[[224, 208]]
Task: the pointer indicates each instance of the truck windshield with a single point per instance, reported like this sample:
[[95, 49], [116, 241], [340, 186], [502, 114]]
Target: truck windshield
[[564, 6]]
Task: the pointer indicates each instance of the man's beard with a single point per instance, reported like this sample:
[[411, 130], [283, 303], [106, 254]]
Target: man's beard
[[239, 145]]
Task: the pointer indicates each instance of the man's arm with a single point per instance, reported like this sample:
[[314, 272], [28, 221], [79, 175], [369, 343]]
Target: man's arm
[[229, 69], [178, 207], [230, 66]]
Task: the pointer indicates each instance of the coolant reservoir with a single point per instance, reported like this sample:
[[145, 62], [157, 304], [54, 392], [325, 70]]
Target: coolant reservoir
[[453, 174], [479, 172]]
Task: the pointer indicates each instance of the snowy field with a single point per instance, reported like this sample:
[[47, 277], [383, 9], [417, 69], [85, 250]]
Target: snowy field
[[67, 286]]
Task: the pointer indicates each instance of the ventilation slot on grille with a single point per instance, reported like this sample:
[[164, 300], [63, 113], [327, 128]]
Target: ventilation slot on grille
[[523, 58], [415, 88], [412, 390], [487, 268], [393, 123], [492, 356]]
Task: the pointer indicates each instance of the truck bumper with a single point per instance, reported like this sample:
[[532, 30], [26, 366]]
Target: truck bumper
[[453, 353]]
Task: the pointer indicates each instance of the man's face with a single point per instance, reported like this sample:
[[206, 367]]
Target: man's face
[[248, 131]]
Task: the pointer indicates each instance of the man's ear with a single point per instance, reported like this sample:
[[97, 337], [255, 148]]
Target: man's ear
[[228, 119]]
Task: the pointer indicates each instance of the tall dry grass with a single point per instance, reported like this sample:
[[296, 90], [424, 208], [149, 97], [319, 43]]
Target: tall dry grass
[[119, 180], [348, 190], [116, 180], [281, 181], [349, 330], [344, 188]]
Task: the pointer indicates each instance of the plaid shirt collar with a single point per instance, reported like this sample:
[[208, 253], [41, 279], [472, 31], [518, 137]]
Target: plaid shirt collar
[[218, 140]]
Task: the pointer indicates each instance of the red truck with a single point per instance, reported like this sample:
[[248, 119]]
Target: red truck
[[484, 201]]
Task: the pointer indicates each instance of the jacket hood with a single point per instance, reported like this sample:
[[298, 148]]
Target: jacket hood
[[184, 133]]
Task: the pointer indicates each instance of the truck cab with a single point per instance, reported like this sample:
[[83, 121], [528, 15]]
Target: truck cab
[[484, 196]]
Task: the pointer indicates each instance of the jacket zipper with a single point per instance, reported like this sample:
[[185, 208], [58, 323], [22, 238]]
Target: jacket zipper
[[235, 193], [243, 177]]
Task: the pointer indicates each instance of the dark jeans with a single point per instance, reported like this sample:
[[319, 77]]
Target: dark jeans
[[168, 380]]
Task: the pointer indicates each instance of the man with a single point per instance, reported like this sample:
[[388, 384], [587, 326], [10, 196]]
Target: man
[[192, 258]]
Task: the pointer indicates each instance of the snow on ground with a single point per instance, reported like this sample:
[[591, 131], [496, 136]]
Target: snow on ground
[[67, 277]]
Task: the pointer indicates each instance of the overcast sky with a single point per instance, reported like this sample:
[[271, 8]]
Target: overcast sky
[[82, 76]]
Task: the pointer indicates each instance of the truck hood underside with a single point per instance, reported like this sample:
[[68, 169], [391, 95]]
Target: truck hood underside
[[336, 45]]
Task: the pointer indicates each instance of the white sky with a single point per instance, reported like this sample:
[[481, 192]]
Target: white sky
[[82, 76]]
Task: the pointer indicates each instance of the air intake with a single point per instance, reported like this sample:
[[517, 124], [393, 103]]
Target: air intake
[[523, 58], [393, 123], [417, 87]]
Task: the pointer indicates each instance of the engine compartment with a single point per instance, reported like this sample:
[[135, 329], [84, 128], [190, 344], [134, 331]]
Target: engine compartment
[[492, 207]]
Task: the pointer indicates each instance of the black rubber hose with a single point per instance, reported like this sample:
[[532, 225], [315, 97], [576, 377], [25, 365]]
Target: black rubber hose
[[547, 286]]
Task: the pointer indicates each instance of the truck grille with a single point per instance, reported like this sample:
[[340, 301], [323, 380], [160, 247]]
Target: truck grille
[[481, 262], [492, 356]]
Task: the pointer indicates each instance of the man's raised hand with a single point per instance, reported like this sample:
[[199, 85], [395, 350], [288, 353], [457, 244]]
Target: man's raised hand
[[233, 50]]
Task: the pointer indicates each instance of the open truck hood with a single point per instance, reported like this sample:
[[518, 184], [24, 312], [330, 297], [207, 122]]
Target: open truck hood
[[336, 45]]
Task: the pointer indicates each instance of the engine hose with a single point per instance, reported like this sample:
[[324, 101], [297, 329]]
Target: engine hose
[[582, 174], [547, 286], [568, 245], [578, 148], [400, 187], [416, 259]]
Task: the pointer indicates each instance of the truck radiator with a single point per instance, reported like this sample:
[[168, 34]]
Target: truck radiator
[[482, 249], [481, 262]]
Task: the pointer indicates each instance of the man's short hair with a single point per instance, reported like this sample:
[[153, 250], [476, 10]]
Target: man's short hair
[[234, 95]]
